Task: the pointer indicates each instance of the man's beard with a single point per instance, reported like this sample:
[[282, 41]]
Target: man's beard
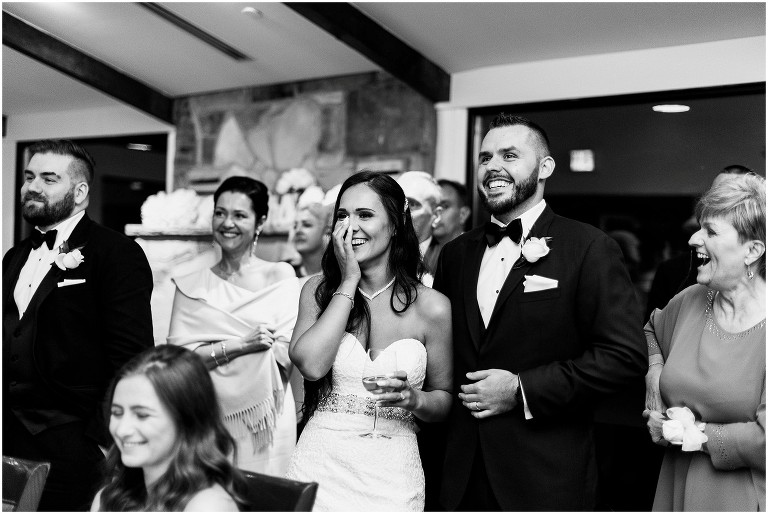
[[523, 190], [49, 213]]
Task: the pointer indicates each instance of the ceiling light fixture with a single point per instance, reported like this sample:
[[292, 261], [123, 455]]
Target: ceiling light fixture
[[671, 108], [139, 146]]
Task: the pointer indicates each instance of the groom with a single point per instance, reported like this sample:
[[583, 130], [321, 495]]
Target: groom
[[75, 309], [543, 328]]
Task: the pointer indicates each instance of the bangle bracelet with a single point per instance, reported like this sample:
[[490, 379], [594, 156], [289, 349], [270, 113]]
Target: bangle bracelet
[[655, 363], [224, 351], [345, 295], [213, 353]]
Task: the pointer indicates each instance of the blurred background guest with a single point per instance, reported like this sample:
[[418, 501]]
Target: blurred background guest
[[677, 273], [423, 196], [455, 211], [239, 316], [171, 450], [707, 353], [311, 234]]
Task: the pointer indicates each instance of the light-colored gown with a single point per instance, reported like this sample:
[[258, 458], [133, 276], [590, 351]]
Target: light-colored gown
[[251, 388], [356, 473], [721, 378]]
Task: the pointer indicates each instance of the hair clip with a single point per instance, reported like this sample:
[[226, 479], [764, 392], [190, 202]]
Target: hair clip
[[405, 206]]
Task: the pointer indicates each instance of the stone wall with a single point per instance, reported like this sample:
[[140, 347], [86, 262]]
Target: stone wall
[[331, 127]]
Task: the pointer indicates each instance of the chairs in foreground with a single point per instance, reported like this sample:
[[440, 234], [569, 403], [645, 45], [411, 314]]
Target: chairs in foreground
[[23, 482], [266, 493]]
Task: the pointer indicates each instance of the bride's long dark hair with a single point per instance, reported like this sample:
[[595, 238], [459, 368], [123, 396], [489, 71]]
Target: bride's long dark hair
[[404, 262], [184, 387]]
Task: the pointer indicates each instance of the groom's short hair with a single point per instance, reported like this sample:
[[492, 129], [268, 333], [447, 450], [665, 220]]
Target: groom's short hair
[[83, 165], [540, 138]]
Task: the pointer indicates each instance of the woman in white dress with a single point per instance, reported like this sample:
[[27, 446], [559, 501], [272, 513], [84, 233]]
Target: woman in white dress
[[369, 297], [238, 316]]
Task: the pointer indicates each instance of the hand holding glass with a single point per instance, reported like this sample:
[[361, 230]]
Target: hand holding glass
[[379, 364]]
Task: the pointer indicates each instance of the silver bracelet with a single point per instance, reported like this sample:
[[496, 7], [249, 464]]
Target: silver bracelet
[[213, 353], [345, 295], [224, 351], [654, 363]]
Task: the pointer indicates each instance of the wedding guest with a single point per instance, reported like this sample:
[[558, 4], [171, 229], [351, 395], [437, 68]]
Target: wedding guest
[[677, 273], [423, 195], [171, 449], [76, 308], [369, 298], [546, 323], [455, 211], [238, 316], [311, 235], [706, 358]]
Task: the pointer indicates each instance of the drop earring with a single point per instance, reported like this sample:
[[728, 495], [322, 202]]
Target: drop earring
[[750, 273]]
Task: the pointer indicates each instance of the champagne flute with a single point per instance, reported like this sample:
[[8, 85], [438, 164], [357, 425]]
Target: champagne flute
[[379, 364]]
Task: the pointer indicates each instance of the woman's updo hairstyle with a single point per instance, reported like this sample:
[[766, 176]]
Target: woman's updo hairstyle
[[253, 189]]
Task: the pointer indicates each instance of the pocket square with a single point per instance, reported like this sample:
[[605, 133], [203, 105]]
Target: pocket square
[[533, 283], [71, 282]]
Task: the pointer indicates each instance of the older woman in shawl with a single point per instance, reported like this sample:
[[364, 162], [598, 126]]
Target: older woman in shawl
[[239, 316]]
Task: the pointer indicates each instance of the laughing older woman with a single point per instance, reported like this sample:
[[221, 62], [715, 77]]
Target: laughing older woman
[[707, 359]]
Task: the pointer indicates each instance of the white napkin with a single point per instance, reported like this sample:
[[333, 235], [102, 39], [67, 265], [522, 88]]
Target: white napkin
[[533, 283]]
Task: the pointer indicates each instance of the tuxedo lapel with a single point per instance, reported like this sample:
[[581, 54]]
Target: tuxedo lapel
[[474, 256], [516, 274], [78, 238]]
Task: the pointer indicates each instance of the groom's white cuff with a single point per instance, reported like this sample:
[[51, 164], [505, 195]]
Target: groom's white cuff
[[527, 411]]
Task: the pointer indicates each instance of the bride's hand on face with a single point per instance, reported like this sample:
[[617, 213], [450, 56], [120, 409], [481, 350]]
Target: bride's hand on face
[[345, 254]]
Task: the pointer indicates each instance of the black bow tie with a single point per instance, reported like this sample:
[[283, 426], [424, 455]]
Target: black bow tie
[[494, 233], [38, 238]]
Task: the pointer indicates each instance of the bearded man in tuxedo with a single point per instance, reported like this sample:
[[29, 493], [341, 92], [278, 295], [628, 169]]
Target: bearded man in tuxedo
[[75, 309], [545, 324]]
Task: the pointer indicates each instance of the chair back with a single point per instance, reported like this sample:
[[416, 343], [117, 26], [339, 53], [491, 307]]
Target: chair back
[[23, 482], [265, 493]]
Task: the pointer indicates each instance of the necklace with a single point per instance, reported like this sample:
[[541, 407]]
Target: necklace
[[377, 293], [712, 326]]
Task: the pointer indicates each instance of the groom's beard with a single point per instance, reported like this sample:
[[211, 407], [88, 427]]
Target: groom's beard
[[523, 190], [47, 214]]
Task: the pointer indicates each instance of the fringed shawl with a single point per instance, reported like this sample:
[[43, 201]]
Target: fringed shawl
[[250, 387]]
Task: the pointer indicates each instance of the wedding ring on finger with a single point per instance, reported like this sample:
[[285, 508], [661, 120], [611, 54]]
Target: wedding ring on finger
[[402, 396], [477, 407]]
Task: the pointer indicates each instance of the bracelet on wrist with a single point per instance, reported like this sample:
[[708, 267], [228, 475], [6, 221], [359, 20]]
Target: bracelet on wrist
[[224, 352], [345, 295], [655, 363], [213, 353]]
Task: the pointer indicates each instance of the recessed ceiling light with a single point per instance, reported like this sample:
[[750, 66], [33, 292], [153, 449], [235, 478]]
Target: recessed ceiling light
[[671, 108], [252, 11]]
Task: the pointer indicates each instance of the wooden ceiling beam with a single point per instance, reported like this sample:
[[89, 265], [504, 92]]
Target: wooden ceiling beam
[[52, 52], [351, 26]]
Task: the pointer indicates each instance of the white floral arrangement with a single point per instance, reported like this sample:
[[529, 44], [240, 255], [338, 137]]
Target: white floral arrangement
[[180, 208], [294, 180]]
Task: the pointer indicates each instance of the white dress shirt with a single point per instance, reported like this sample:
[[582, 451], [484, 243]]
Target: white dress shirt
[[39, 263], [495, 266]]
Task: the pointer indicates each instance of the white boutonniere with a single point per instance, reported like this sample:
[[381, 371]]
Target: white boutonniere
[[69, 259], [533, 249], [681, 429]]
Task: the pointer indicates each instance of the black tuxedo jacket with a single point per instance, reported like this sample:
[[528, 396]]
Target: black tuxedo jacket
[[571, 345], [59, 358]]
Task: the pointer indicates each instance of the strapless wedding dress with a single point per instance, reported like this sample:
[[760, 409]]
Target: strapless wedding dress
[[356, 473]]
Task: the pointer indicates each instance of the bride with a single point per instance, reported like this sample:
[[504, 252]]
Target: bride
[[369, 297]]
